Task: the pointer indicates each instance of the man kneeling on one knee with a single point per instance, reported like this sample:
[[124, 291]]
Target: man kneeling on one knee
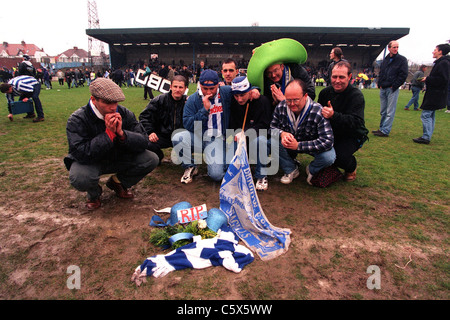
[[302, 129], [105, 137], [343, 105]]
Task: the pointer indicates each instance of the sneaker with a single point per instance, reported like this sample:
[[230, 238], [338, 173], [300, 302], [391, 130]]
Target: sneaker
[[262, 184], [30, 116], [287, 178], [447, 111], [421, 140], [309, 176], [406, 108], [189, 173]]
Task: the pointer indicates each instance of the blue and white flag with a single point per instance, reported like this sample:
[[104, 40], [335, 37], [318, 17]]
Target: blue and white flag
[[240, 203]]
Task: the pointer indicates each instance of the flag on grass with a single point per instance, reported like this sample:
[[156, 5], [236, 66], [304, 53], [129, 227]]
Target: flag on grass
[[240, 203]]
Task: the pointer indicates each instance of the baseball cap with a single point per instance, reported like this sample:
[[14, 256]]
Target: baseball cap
[[240, 85], [209, 75], [106, 89]]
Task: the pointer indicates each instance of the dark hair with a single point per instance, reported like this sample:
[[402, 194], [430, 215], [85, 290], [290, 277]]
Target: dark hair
[[300, 83], [229, 60], [181, 79], [345, 64], [4, 87], [338, 52], [445, 48]]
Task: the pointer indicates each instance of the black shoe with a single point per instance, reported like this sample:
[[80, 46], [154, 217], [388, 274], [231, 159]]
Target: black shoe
[[30, 116], [421, 140], [378, 133]]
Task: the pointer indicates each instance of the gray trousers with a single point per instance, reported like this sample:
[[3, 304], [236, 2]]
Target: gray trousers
[[130, 169]]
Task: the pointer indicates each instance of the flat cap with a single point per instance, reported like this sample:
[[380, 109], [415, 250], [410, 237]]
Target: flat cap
[[106, 89]]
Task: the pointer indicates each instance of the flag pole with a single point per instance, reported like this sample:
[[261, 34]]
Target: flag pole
[[245, 117]]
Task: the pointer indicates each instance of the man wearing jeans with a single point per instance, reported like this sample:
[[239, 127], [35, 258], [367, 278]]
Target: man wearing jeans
[[206, 116], [302, 129], [437, 89], [393, 73], [416, 86]]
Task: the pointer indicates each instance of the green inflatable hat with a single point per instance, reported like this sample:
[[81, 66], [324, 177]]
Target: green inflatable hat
[[283, 50]]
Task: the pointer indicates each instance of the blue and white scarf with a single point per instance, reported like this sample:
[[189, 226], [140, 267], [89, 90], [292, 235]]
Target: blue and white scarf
[[222, 250]]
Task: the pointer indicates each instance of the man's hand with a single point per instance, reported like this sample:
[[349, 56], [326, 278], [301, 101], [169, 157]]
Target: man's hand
[[153, 137], [328, 111], [277, 94], [288, 141], [254, 94], [113, 122], [206, 102]]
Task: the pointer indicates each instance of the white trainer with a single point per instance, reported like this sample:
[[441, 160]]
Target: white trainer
[[189, 173], [262, 184], [287, 178]]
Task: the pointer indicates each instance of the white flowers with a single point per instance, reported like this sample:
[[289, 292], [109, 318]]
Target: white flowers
[[202, 224]]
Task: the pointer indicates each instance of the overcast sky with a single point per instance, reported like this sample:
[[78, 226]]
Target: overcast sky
[[56, 25]]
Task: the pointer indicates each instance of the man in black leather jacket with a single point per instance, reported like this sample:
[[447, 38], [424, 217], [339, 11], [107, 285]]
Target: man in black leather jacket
[[163, 115], [105, 137]]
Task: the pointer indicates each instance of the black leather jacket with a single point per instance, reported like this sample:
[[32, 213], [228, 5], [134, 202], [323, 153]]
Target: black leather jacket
[[163, 114], [89, 143]]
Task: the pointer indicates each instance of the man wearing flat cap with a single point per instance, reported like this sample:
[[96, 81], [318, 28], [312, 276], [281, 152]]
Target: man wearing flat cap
[[105, 137]]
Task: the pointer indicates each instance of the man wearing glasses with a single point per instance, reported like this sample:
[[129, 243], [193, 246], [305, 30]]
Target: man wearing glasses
[[302, 129], [277, 76]]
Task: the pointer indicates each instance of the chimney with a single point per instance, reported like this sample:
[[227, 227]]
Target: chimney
[[5, 44], [23, 43]]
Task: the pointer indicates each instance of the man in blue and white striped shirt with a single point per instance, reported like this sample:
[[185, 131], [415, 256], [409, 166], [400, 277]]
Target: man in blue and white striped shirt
[[25, 87]]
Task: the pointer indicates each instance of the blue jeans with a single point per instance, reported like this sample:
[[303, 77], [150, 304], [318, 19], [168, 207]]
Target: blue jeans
[[415, 98], [388, 104], [186, 142], [428, 120], [321, 160]]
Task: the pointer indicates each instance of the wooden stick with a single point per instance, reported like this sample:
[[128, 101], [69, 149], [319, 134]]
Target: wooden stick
[[245, 117]]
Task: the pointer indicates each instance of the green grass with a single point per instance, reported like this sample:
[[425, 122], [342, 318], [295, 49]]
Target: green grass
[[408, 181], [396, 165]]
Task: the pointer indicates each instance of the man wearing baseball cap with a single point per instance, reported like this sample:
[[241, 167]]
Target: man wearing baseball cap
[[105, 137], [258, 119], [208, 111]]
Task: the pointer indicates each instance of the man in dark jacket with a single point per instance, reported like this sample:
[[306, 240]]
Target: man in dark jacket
[[277, 77], [26, 68], [393, 73], [436, 93], [343, 105], [257, 115], [105, 137], [163, 115]]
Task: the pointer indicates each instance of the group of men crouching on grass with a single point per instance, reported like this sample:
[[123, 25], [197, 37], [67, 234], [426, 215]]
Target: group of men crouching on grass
[[105, 137]]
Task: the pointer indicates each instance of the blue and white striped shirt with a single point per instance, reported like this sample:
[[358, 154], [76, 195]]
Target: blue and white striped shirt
[[23, 84]]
